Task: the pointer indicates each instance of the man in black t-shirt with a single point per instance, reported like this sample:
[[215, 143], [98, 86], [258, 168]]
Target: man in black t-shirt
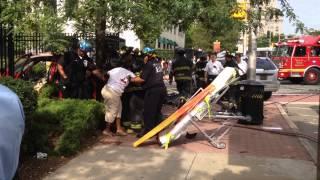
[[155, 93]]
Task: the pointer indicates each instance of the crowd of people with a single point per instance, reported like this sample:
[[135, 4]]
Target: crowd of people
[[205, 68], [134, 91]]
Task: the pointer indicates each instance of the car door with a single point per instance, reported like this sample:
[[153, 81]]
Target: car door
[[299, 60], [314, 56]]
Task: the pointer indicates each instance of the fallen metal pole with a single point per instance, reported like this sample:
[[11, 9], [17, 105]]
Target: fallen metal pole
[[221, 82]]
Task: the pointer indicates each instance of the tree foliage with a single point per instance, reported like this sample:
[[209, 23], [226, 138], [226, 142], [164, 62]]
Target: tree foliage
[[35, 16], [313, 32], [199, 36], [147, 18], [256, 12], [267, 40], [212, 20]]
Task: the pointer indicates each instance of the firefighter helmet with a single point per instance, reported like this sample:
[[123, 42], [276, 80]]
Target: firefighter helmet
[[85, 46]]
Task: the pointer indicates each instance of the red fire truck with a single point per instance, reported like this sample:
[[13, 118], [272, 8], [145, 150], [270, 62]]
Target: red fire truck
[[299, 59]]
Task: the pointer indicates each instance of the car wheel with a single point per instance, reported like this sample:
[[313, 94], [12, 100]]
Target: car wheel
[[296, 80], [312, 76], [267, 95]]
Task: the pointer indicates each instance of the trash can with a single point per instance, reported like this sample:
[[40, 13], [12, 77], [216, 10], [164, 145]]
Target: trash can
[[250, 102]]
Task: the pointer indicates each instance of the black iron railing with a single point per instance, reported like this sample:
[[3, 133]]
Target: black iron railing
[[14, 46]]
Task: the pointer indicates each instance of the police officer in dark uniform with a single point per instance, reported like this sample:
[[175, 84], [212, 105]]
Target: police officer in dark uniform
[[74, 69], [200, 72], [155, 91], [230, 62], [182, 71]]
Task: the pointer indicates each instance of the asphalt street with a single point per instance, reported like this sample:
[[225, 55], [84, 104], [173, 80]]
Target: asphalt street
[[304, 111], [287, 88]]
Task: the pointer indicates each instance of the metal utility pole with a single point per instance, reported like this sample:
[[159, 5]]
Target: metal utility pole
[[11, 51], [252, 55], [244, 46]]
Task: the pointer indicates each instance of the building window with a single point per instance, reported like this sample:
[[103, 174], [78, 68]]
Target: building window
[[159, 44]]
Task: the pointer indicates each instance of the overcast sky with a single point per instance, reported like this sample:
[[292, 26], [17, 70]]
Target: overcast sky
[[308, 11]]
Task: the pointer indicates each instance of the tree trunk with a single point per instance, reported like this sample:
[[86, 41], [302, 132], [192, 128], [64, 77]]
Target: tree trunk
[[100, 41]]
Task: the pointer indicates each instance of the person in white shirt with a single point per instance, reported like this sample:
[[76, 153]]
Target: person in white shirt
[[213, 68], [118, 79], [242, 66]]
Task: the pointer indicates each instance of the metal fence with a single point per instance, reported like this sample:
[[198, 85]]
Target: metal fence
[[14, 46], [6, 51]]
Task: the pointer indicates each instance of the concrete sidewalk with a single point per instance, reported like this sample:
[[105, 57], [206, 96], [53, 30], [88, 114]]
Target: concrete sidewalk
[[249, 154], [123, 163]]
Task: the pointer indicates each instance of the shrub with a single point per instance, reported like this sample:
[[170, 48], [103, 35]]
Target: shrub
[[66, 122], [48, 91], [25, 91], [52, 125]]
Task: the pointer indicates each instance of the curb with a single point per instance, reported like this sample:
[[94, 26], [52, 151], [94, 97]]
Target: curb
[[305, 143], [296, 94]]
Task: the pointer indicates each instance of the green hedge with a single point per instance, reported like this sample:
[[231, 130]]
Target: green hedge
[[49, 91], [65, 123], [25, 91], [52, 125]]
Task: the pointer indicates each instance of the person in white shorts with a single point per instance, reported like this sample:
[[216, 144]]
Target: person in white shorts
[[117, 81]]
